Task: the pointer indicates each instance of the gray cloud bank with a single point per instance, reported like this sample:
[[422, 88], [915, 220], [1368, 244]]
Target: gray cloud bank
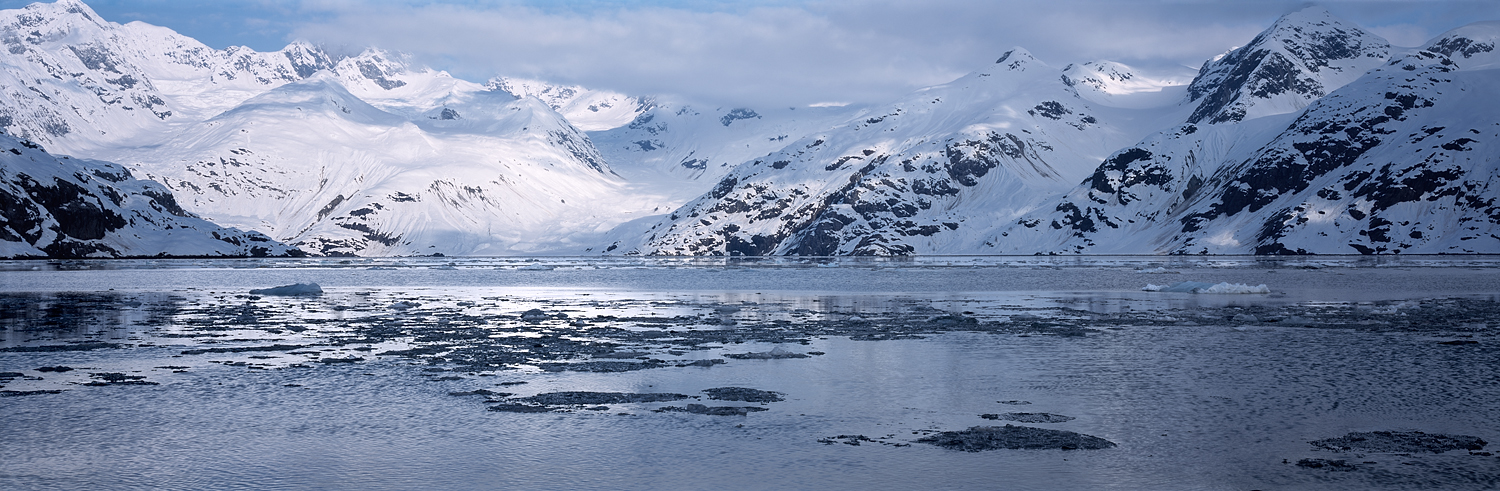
[[793, 52]]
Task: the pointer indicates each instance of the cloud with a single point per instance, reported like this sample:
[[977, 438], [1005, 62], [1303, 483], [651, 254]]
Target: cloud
[[785, 52], [791, 54]]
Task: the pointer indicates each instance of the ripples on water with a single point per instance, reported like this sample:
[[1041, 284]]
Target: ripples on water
[[1193, 398]]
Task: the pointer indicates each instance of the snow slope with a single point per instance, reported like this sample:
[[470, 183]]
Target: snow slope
[[1400, 160], [62, 207], [680, 150], [312, 164], [587, 109], [1312, 138], [363, 154], [908, 178], [1315, 137], [1300, 58]]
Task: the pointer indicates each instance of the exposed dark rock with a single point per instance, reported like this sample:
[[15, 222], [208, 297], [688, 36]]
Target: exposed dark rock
[[738, 114], [1333, 465], [597, 398], [1029, 417], [980, 438], [481, 392], [712, 410], [247, 349], [1400, 442], [520, 408], [743, 394], [61, 347]]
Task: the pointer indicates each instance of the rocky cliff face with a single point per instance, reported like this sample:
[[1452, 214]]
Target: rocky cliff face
[[1400, 160], [1302, 57], [62, 207], [1316, 137], [910, 177]]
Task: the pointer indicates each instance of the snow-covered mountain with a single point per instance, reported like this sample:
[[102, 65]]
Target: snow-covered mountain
[[587, 109], [909, 177], [363, 154], [311, 162], [62, 207], [681, 149], [1316, 137], [75, 81], [1300, 58], [1399, 160]]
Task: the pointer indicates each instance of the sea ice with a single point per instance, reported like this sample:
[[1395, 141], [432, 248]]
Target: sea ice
[[775, 354], [1235, 288], [291, 290]]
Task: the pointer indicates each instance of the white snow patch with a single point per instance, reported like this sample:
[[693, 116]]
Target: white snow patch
[[1235, 288], [1224, 239], [1207, 288]]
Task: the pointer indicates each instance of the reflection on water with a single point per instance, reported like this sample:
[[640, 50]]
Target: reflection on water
[[351, 389], [775, 262]]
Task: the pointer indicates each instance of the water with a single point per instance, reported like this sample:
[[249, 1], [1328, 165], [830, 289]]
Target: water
[[1194, 398]]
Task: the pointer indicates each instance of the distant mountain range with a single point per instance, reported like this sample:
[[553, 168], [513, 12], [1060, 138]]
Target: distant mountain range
[[1315, 137]]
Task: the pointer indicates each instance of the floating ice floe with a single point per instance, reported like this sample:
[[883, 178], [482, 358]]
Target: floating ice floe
[[1201, 287], [1158, 270], [776, 353], [290, 290]]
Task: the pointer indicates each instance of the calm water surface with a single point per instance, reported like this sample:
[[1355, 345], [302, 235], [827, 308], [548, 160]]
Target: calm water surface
[[1194, 398]]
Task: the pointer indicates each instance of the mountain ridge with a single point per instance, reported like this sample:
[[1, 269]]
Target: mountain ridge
[[1317, 136]]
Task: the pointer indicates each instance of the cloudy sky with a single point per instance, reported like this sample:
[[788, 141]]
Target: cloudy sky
[[791, 52]]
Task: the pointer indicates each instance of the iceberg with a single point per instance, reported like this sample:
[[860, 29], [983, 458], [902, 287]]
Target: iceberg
[[1210, 288]]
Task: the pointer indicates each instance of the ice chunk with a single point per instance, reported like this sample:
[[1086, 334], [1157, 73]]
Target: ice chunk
[[775, 354], [1157, 270], [1211, 288], [1235, 288], [291, 290]]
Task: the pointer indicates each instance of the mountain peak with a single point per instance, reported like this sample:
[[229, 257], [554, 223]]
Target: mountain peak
[[1301, 57], [66, 6], [1312, 14], [52, 17], [1472, 46], [1016, 58]]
